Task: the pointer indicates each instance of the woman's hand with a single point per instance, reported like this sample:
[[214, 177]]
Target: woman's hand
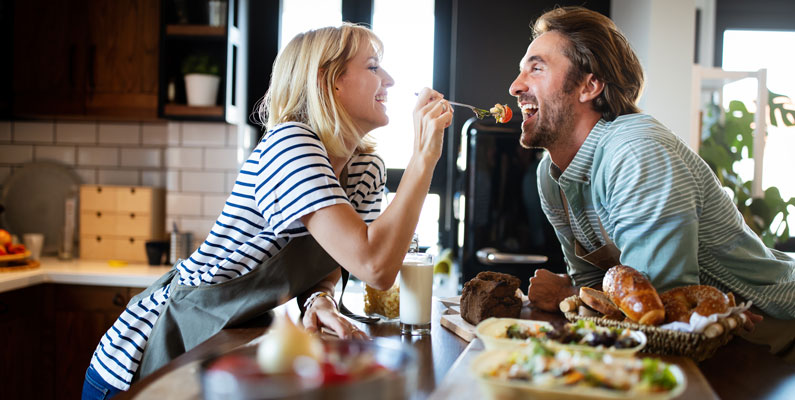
[[323, 313], [432, 115]]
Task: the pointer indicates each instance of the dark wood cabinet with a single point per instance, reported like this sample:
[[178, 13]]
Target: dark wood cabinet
[[86, 58], [185, 33], [48, 334]]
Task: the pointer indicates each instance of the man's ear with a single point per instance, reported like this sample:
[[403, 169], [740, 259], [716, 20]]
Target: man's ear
[[591, 89]]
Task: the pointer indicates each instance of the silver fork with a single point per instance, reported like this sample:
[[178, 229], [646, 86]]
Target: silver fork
[[479, 112]]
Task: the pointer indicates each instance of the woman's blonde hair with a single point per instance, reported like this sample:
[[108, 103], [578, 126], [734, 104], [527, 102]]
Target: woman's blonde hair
[[302, 85], [597, 46]]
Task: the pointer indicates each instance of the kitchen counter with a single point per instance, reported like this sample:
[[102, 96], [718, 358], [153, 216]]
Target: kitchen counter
[[738, 370], [82, 272]]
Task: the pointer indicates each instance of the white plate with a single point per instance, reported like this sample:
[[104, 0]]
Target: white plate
[[514, 389], [492, 332]]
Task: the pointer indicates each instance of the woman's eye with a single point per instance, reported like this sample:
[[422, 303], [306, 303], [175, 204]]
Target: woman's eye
[[373, 68]]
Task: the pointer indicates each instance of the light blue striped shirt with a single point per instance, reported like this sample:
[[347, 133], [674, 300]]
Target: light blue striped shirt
[[288, 175], [665, 210]]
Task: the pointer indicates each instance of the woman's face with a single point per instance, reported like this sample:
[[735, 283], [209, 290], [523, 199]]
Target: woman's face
[[361, 90]]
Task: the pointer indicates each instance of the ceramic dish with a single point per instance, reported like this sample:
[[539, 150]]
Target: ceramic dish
[[547, 386], [493, 333], [236, 374]]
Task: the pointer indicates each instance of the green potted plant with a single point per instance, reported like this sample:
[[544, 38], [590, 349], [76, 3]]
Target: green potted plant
[[723, 145], [201, 79]]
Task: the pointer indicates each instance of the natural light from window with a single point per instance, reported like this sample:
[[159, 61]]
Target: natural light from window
[[751, 51], [295, 18], [408, 57]]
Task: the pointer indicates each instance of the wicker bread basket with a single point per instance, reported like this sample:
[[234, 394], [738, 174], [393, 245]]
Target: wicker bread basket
[[664, 341]]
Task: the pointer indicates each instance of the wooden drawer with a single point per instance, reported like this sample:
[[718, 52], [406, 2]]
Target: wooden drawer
[[130, 249], [135, 224], [98, 198], [98, 223], [96, 247], [134, 199]]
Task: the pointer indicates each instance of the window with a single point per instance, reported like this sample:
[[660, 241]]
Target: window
[[295, 18], [745, 50]]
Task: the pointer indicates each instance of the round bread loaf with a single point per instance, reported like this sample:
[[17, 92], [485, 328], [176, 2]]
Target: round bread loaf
[[634, 294], [680, 303]]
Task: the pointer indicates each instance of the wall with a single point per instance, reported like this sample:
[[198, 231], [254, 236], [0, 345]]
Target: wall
[[195, 162], [662, 32]]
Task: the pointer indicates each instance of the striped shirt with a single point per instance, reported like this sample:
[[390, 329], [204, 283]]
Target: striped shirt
[[665, 210], [288, 175]]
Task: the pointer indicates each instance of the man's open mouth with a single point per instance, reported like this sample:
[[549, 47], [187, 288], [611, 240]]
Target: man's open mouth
[[528, 110]]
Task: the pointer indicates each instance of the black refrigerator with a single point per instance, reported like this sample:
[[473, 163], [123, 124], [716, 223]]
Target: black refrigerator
[[505, 229]]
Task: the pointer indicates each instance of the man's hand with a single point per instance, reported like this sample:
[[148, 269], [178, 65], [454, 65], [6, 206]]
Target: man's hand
[[547, 290], [323, 313], [750, 320]]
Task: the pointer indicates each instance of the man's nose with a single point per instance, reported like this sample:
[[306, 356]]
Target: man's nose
[[517, 87]]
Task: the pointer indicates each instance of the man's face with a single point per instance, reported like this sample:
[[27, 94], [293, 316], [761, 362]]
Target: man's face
[[540, 89]]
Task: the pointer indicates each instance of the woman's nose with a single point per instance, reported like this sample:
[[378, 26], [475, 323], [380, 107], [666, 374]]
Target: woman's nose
[[387, 81]]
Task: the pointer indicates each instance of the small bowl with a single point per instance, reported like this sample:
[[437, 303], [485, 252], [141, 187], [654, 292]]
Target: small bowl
[[398, 380], [492, 330]]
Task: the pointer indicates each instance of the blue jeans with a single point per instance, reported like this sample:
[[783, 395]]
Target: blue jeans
[[95, 388]]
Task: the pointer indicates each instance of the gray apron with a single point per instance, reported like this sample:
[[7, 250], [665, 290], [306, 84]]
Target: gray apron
[[195, 313], [604, 257]]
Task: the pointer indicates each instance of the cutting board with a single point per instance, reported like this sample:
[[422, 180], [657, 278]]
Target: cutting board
[[459, 383]]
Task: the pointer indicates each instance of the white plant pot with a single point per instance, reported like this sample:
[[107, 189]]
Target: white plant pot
[[202, 89]]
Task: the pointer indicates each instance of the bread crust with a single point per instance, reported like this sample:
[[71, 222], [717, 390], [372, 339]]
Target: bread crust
[[634, 294], [490, 294], [680, 303], [599, 301]]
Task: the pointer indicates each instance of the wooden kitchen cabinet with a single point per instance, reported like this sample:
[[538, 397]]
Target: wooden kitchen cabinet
[[82, 314], [86, 59]]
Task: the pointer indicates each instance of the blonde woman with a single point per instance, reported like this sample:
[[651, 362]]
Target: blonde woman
[[306, 203]]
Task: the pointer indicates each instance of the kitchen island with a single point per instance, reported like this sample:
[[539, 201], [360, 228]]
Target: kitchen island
[[739, 370]]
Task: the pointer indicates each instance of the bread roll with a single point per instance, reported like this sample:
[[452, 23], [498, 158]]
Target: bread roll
[[490, 294], [634, 295], [599, 301]]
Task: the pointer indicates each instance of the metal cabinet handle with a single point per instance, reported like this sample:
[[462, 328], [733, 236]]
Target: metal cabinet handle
[[490, 255], [118, 300]]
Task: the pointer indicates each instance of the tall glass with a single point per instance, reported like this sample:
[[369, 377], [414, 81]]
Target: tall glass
[[416, 283]]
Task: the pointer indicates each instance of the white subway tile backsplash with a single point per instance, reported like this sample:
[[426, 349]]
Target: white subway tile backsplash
[[76, 132], [153, 178], [119, 133], [118, 177], [5, 131], [15, 154], [87, 175], [183, 204], [98, 156], [61, 154], [154, 134], [172, 181], [174, 133], [200, 227], [184, 157], [213, 204], [203, 134], [202, 182], [231, 177], [33, 132], [220, 158], [151, 158], [231, 136]]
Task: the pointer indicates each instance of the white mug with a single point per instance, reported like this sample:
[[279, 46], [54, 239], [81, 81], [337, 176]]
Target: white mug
[[34, 242]]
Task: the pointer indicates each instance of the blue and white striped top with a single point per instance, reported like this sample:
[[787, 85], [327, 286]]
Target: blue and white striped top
[[287, 176], [665, 210]]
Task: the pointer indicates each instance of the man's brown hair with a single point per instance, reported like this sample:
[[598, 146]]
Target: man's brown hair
[[597, 46]]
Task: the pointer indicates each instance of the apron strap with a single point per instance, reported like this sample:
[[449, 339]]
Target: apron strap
[[599, 220]]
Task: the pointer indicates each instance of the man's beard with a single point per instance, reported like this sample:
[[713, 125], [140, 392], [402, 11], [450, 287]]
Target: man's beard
[[556, 120]]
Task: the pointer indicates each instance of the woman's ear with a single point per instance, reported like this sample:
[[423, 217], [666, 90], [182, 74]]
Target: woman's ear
[[591, 88]]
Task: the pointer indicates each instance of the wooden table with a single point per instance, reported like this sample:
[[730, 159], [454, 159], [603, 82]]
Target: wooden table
[[739, 370]]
